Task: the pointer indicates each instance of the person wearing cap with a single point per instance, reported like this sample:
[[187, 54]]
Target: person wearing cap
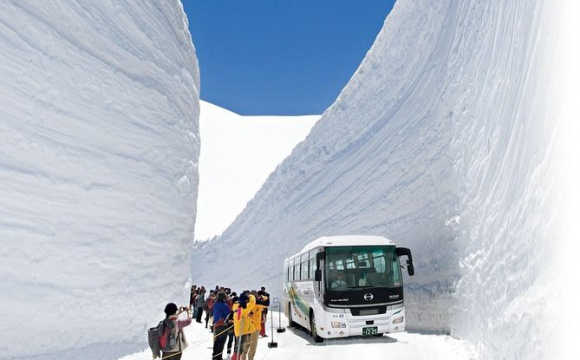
[[173, 342], [243, 325]]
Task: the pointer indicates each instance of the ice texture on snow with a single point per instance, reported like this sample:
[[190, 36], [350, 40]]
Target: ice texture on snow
[[449, 140], [98, 170]]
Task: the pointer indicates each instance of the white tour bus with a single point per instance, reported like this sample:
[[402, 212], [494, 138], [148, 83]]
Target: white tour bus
[[343, 286]]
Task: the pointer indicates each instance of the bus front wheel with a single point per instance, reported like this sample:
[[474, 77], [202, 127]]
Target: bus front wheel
[[313, 331]]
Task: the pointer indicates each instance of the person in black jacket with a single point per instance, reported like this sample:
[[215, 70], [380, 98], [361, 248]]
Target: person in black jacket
[[192, 298], [233, 298], [264, 295]]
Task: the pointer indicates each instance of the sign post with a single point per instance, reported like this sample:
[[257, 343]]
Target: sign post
[[280, 329], [272, 343]]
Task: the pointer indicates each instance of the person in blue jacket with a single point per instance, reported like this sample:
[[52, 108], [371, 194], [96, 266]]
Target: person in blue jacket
[[221, 312]]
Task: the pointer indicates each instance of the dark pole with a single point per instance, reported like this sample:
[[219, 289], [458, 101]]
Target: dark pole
[[273, 344]]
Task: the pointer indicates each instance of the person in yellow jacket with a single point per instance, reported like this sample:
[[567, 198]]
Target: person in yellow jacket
[[256, 316], [243, 325]]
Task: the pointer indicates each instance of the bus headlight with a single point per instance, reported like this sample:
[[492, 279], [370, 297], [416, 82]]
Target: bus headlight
[[338, 324], [398, 320]]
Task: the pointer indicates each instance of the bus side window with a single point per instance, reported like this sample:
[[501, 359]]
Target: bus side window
[[312, 257], [304, 271], [298, 271], [395, 272], [296, 268]]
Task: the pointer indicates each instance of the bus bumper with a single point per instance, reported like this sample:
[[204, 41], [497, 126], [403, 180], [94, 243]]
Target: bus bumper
[[348, 325]]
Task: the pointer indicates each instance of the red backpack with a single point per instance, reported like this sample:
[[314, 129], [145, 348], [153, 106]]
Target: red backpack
[[168, 341]]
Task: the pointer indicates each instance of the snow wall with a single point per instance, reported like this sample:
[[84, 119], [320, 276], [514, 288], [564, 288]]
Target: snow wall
[[448, 140], [98, 171]]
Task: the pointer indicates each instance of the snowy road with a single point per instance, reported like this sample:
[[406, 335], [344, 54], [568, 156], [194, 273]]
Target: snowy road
[[296, 343]]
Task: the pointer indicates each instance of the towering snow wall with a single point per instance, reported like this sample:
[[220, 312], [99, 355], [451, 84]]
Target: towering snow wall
[[446, 140], [237, 154], [98, 171]]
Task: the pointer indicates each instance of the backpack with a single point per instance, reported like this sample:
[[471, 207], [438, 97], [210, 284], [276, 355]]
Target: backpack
[[160, 338], [154, 335]]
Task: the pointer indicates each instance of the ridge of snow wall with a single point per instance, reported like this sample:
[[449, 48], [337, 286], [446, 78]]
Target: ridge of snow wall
[[98, 168], [447, 141]]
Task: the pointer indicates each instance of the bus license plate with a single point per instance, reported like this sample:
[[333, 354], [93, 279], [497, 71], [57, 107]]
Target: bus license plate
[[369, 331]]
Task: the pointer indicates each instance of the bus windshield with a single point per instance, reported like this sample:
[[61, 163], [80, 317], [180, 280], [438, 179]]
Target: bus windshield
[[350, 267]]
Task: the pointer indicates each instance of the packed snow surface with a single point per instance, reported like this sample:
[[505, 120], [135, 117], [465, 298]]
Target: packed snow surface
[[98, 170], [453, 138], [237, 155], [296, 343]]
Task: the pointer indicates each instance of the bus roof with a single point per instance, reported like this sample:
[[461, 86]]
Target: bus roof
[[347, 240]]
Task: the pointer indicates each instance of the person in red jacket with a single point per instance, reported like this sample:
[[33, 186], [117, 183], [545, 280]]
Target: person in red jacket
[[208, 306]]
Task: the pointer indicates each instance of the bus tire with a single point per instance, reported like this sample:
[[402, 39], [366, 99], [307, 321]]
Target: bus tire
[[313, 332]]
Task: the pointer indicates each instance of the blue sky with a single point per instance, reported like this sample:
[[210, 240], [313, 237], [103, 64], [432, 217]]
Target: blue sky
[[281, 57]]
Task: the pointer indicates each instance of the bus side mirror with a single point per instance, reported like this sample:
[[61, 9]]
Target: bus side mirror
[[400, 251], [318, 273], [410, 268]]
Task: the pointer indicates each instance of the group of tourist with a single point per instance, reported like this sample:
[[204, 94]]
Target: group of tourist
[[236, 320]]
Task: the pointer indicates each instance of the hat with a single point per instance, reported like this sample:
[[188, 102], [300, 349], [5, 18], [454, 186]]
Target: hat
[[170, 309]]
